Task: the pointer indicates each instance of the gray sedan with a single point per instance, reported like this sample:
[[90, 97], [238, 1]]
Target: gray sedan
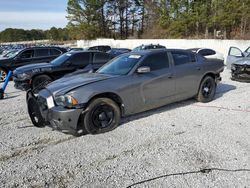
[[131, 83]]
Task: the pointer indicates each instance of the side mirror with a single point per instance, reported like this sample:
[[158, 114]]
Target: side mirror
[[142, 70], [67, 63]]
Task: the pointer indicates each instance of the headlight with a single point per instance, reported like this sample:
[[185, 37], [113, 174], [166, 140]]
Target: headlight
[[66, 101]]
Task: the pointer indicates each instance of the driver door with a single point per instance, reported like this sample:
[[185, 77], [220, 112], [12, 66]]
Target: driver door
[[157, 87], [234, 54]]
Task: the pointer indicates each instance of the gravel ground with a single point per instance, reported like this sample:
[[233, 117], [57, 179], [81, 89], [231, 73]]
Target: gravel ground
[[186, 144]]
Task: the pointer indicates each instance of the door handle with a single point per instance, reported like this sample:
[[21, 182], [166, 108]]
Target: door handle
[[198, 68]]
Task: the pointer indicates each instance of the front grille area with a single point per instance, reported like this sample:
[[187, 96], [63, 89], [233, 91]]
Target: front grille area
[[241, 69]]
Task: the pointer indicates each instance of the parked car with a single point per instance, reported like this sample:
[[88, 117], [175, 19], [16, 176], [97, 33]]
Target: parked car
[[10, 54], [129, 84], [102, 48], [118, 51], [148, 47], [240, 70], [29, 56], [37, 76], [75, 49], [208, 53], [235, 54]]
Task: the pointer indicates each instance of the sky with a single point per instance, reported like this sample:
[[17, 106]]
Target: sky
[[32, 14]]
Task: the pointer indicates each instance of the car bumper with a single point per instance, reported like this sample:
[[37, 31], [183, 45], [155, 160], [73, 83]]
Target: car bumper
[[241, 77], [22, 85], [60, 118]]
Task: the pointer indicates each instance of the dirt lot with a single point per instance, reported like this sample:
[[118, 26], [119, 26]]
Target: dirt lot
[[167, 147]]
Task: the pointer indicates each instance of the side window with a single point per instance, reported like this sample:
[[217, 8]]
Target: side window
[[54, 51], [235, 52], [41, 52], [156, 61], [100, 58], [180, 58], [27, 54], [81, 59]]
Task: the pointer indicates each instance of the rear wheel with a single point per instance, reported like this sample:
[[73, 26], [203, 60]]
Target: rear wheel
[[34, 112], [207, 90], [102, 115], [3, 74], [40, 82]]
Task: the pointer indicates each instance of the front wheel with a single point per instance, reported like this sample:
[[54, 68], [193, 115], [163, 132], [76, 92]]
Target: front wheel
[[40, 82], [102, 115], [207, 90]]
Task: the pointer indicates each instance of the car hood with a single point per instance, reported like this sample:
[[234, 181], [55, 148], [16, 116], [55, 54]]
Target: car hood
[[27, 68], [66, 84], [244, 61]]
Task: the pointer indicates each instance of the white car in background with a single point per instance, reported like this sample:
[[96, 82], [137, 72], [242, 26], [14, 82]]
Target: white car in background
[[208, 53]]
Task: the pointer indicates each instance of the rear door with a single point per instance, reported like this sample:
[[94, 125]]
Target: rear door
[[157, 87], [187, 74], [234, 54]]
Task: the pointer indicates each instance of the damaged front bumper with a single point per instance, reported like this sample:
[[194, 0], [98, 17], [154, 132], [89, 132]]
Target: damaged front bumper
[[240, 73], [58, 117]]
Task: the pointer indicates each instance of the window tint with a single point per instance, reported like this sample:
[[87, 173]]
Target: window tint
[[81, 59], [42, 52], [27, 54], [156, 61], [180, 58], [100, 58], [54, 51], [207, 52]]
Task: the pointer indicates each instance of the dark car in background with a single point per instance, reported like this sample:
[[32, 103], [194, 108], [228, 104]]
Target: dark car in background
[[102, 48], [148, 47], [131, 83], [37, 76], [118, 51], [29, 56]]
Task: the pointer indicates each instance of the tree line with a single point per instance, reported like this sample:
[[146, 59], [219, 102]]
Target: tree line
[[122, 19], [159, 18], [16, 35]]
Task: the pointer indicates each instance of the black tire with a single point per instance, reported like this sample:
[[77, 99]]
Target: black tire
[[102, 115], [34, 112], [3, 74], [40, 82], [207, 90]]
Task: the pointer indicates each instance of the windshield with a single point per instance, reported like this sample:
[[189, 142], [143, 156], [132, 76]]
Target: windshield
[[121, 65], [61, 59], [11, 54]]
